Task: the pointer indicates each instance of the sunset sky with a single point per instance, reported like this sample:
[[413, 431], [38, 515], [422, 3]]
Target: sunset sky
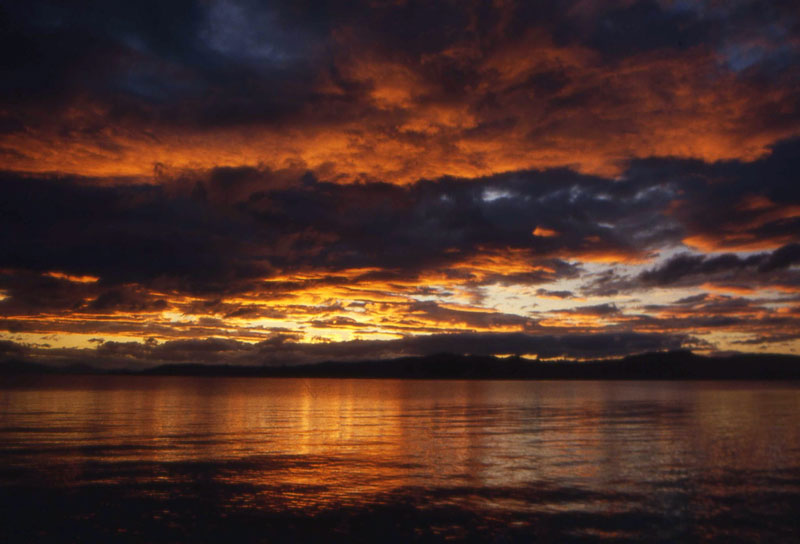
[[293, 181]]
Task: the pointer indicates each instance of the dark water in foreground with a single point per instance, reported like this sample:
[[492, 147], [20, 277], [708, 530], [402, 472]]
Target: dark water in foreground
[[196, 459]]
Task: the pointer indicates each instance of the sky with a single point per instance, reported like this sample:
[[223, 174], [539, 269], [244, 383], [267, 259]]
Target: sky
[[294, 181]]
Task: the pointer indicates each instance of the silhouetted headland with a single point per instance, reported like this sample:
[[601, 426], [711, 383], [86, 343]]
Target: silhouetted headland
[[674, 365]]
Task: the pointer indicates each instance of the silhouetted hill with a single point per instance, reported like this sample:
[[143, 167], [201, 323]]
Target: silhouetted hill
[[19, 366], [675, 365]]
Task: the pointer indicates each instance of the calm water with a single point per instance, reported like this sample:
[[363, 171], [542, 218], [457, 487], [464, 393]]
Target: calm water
[[198, 459]]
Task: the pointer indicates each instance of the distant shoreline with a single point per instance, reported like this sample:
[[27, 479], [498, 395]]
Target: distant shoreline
[[675, 365]]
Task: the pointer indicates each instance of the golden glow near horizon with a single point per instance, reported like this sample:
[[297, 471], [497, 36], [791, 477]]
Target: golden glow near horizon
[[373, 310]]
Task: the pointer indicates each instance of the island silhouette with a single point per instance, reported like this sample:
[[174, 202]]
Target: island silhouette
[[672, 365]]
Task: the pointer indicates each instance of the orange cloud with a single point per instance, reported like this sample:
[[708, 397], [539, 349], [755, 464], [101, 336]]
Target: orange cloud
[[737, 242], [406, 126], [544, 233], [74, 279]]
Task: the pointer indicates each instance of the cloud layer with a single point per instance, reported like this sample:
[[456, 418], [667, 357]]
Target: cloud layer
[[393, 91], [331, 180]]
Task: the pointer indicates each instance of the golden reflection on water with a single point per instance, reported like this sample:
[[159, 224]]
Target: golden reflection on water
[[314, 443]]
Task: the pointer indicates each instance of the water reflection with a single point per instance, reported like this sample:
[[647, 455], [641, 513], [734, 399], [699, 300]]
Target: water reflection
[[621, 460]]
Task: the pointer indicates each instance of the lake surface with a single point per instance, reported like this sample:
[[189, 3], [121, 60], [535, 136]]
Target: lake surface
[[93, 458]]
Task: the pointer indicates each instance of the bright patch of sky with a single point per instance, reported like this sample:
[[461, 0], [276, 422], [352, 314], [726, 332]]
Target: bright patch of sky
[[491, 194]]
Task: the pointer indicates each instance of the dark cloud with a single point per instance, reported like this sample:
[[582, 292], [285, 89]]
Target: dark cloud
[[8, 348], [554, 294], [472, 319], [215, 231], [761, 270], [693, 299], [122, 234], [689, 269], [156, 61], [768, 339], [696, 267], [127, 300], [781, 258], [639, 27], [596, 309]]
